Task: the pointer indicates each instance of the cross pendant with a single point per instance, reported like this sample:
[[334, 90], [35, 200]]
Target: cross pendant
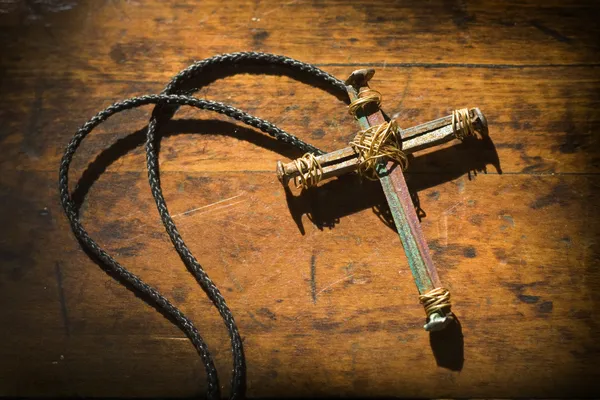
[[434, 297]]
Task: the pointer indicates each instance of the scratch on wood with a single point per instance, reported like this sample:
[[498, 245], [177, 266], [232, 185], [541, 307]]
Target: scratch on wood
[[450, 211], [313, 278], [443, 229], [231, 276], [551, 32], [210, 205], [212, 210], [183, 339], [278, 8], [61, 297], [334, 283], [405, 91]]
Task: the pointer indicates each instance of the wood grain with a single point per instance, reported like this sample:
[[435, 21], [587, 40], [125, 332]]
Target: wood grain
[[317, 281]]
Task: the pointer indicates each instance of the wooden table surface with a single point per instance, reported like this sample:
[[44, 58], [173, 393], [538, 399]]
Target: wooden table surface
[[317, 281]]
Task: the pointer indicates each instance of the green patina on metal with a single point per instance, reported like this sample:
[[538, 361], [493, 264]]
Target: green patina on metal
[[401, 206], [399, 214]]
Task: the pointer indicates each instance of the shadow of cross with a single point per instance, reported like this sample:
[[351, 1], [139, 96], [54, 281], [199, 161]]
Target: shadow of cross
[[349, 194]]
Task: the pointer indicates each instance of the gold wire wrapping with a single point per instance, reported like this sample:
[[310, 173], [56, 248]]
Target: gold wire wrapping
[[435, 300], [462, 124], [375, 143], [310, 171], [365, 96]]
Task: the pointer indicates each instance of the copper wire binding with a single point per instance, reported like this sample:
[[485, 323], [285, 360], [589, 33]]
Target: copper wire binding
[[365, 96], [375, 143], [435, 300], [310, 171], [462, 123]]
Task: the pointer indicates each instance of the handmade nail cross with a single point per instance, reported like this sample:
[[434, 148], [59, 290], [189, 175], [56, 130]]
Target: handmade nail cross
[[379, 151]]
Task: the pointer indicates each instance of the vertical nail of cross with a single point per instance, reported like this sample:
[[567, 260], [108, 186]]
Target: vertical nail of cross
[[401, 206]]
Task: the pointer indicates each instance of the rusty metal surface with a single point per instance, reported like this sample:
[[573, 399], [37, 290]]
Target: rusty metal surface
[[420, 137], [401, 207]]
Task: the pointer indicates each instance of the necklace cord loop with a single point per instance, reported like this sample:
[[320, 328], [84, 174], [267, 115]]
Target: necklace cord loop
[[172, 97]]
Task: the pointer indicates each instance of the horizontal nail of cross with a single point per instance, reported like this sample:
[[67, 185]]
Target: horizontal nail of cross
[[420, 137]]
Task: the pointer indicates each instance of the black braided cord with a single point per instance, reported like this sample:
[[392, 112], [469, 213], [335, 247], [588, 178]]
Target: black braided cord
[[169, 100], [185, 76], [254, 58]]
